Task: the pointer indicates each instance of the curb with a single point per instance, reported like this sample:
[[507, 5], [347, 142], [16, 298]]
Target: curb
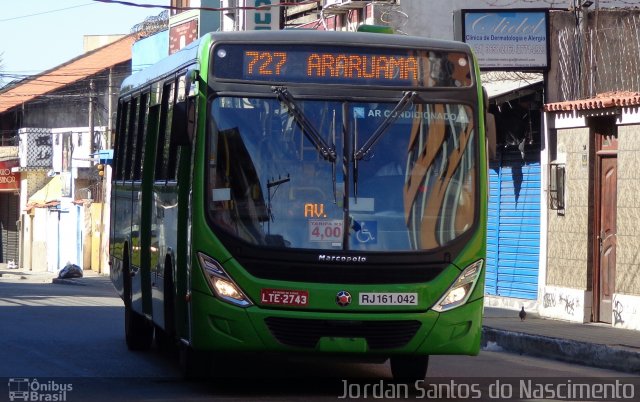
[[567, 350]]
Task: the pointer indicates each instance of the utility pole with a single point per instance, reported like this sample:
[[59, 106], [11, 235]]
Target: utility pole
[[92, 95], [110, 109]]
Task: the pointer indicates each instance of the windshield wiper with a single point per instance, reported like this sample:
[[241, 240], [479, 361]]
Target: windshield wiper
[[333, 165], [327, 152], [402, 105]]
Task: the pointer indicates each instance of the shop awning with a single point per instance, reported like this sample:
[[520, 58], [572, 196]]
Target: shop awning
[[504, 86]]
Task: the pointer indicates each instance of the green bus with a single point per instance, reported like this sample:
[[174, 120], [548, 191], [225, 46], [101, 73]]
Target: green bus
[[303, 192]]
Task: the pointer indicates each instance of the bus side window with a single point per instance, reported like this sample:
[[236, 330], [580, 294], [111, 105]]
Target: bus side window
[[162, 153], [131, 137], [121, 139], [141, 137], [171, 144]]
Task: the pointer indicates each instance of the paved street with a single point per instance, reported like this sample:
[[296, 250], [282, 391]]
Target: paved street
[[73, 334]]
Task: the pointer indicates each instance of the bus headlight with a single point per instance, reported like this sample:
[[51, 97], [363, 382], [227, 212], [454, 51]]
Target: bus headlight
[[220, 283], [459, 292]]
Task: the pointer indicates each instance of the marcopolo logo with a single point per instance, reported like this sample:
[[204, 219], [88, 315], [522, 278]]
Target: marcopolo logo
[[25, 389], [341, 258]]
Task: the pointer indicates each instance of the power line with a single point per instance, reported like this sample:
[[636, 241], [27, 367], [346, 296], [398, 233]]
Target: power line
[[146, 5], [45, 12]]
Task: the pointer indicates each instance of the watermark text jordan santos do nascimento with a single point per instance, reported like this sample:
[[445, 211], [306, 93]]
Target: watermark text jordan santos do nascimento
[[491, 388]]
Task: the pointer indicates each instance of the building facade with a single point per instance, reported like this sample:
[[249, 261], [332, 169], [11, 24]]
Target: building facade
[[51, 125], [593, 264]]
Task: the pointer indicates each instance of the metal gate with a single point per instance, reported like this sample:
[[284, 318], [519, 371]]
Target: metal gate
[[8, 227], [513, 233]]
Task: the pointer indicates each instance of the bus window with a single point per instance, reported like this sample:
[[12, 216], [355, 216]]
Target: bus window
[[121, 139], [163, 135], [169, 157], [171, 144], [142, 134], [130, 141]]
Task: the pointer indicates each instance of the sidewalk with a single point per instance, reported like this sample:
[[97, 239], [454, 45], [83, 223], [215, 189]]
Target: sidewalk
[[591, 344], [8, 274]]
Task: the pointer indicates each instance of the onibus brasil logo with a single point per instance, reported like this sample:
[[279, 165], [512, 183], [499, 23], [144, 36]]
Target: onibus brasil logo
[[25, 389]]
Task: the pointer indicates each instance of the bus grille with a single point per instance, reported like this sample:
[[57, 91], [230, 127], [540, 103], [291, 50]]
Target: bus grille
[[304, 271], [305, 333]]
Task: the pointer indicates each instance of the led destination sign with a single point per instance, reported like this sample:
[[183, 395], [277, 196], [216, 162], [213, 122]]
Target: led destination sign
[[328, 65], [341, 65]]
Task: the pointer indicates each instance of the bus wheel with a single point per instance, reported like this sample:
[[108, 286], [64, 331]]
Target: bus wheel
[[194, 364], [409, 368], [138, 330]]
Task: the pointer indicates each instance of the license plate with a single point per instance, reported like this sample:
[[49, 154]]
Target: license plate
[[388, 299], [284, 297]]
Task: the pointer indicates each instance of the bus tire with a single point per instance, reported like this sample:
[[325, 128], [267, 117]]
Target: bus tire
[[137, 329], [409, 368]]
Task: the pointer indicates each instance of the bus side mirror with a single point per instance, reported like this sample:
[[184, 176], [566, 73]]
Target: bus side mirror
[[490, 132], [183, 121]]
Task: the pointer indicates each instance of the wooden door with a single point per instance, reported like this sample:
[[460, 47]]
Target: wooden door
[[607, 236], [605, 231]]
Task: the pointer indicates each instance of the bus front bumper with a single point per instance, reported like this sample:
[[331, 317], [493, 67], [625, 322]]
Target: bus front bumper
[[223, 327]]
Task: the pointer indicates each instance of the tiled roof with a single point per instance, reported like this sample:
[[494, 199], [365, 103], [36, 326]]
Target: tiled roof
[[74, 70], [601, 101]]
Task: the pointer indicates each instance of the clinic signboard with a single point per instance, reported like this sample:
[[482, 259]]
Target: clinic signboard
[[516, 39], [9, 176]]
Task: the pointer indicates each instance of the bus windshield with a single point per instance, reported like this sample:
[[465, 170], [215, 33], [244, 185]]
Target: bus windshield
[[269, 183]]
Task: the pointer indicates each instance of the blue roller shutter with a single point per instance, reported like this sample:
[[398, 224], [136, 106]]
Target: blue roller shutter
[[513, 234]]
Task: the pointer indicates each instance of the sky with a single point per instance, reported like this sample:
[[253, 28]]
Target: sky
[[36, 35]]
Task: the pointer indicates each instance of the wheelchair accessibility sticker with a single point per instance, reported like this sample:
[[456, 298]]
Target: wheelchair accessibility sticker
[[367, 232]]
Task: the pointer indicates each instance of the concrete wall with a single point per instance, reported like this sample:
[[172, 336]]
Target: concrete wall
[[567, 259], [617, 31], [39, 249], [92, 42], [558, 21], [628, 218], [34, 249]]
